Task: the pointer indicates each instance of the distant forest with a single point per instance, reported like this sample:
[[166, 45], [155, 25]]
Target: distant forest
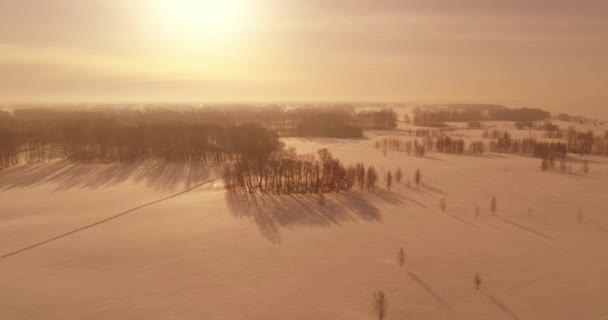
[[436, 117], [203, 135]]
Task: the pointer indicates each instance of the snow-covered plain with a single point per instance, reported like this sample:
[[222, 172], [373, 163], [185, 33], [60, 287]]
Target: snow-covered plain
[[71, 249]]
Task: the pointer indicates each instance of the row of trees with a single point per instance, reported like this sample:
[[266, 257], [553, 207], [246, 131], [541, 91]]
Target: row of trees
[[111, 142], [9, 149], [400, 145], [436, 117], [341, 122], [540, 149], [384, 119], [285, 174], [446, 144], [503, 144], [564, 166], [443, 144]]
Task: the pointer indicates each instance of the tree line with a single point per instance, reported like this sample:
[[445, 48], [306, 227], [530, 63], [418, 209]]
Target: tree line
[[436, 117], [288, 173], [401, 145], [445, 144], [442, 144], [539, 149], [340, 122], [83, 136]]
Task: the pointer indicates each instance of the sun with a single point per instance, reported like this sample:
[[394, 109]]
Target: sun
[[202, 19]]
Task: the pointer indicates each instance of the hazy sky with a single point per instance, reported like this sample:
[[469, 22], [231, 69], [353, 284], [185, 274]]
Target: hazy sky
[[548, 53]]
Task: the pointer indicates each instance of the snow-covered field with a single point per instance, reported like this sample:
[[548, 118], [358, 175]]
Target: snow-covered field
[[71, 247]]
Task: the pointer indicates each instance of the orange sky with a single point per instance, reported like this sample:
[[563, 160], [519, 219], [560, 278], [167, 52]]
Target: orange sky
[[547, 53]]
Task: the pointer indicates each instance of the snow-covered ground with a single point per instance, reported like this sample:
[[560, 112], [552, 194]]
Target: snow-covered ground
[[70, 248]]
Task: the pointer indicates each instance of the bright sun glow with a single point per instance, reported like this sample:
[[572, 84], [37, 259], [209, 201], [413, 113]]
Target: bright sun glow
[[203, 19]]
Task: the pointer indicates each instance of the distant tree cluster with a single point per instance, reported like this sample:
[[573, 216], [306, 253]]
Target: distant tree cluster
[[564, 166], [327, 124], [384, 119], [436, 117], [578, 142], [580, 120], [285, 174], [477, 147], [84, 137], [400, 145], [446, 144], [9, 149], [585, 142], [443, 144], [495, 134], [523, 114], [540, 149]]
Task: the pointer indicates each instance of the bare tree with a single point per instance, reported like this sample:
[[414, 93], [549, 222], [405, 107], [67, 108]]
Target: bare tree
[[493, 205], [361, 175], [579, 215], [371, 179], [380, 304], [585, 168], [401, 257], [443, 205], [544, 165], [321, 199], [417, 178], [476, 212], [562, 165], [477, 281], [398, 175], [389, 180]]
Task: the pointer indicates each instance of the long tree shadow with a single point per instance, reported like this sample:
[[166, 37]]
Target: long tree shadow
[[63, 175], [462, 220], [427, 288], [433, 189], [272, 213], [501, 306], [395, 197], [530, 230]]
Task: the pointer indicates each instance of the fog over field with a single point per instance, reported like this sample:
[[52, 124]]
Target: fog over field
[[485, 212]]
